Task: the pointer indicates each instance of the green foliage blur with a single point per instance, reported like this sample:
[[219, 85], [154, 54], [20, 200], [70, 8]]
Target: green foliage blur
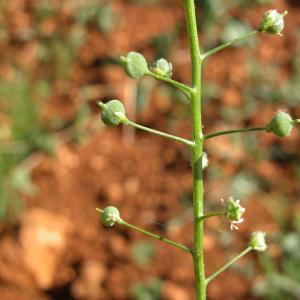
[[25, 91], [150, 290]]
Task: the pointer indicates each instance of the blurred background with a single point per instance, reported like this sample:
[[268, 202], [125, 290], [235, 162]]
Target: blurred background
[[58, 162]]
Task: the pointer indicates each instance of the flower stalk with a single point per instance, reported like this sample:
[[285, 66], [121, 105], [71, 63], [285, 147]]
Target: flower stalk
[[110, 219], [212, 214], [156, 236], [228, 44], [160, 133], [227, 265], [225, 132], [182, 87], [281, 125], [197, 151]]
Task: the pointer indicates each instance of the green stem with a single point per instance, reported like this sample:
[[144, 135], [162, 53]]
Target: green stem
[[166, 135], [197, 151], [148, 233], [227, 44], [156, 236], [215, 134], [212, 214], [184, 88], [297, 121], [222, 269]]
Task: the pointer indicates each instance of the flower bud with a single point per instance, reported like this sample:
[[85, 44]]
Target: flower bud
[[113, 113], [272, 22], [162, 67], [258, 241], [110, 216], [281, 124], [233, 210], [135, 65]]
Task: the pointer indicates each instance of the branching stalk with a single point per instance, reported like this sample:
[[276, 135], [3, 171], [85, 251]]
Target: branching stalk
[[228, 44], [232, 261], [212, 214], [224, 132], [166, 135], [156, 236], [148, 233], [184, 88]]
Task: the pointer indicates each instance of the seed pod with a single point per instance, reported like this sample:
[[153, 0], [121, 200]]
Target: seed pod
[[113, 113], [258, 241], [272, 22], [110, 216], [162, 67], [135, 65], [281, 124]]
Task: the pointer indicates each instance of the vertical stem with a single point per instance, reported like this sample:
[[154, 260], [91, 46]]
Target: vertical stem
[[197, 149]]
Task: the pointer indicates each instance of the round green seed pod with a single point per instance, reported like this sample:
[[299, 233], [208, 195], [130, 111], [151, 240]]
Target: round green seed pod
[[281, 124], [110, 216], [135, 65], [113, 113]]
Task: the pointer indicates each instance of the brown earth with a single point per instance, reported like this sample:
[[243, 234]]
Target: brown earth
[[58, 248]]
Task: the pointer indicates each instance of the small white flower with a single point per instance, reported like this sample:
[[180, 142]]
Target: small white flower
[[272, 22], [233, 224], [234, 212], [258, 241]]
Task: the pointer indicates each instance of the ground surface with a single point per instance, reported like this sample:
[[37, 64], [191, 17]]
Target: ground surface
[[58, 249]]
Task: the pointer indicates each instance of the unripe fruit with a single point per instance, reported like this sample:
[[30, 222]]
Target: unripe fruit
[[162, 67], [281, 124], [113, 113], [110, 216], [272, 22], [135, 65]]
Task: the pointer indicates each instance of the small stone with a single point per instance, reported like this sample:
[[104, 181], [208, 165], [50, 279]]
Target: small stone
[[43, 238]]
